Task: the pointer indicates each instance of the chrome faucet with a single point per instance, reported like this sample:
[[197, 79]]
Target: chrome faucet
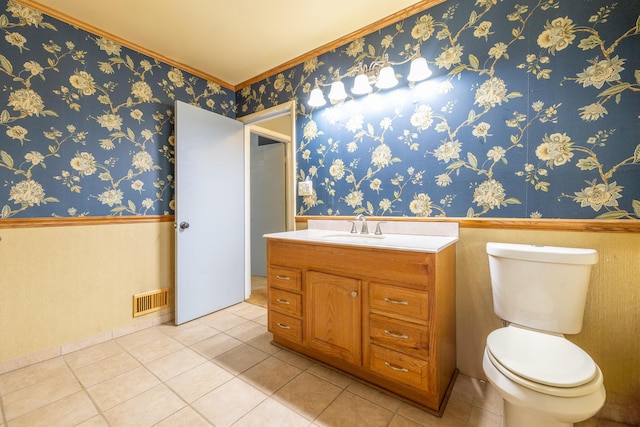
[[365, 229]]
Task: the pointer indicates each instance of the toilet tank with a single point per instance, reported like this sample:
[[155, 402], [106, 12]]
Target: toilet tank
[[540, 287]]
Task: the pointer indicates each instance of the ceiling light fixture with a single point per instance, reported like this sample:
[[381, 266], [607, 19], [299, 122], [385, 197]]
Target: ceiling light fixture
[[379, 72]]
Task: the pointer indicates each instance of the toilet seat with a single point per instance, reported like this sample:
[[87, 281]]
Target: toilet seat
[[543, 362]]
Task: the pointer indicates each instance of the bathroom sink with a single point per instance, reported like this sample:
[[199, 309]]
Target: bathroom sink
[[384, 241], [397, 238], [351, 236]]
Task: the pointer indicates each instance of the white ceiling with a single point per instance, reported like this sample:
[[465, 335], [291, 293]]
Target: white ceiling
[[231, 40]]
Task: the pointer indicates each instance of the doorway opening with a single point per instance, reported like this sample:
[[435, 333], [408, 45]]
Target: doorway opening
[[269, 140]]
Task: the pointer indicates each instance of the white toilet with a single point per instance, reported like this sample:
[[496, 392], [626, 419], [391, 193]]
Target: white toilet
[[540, 292]]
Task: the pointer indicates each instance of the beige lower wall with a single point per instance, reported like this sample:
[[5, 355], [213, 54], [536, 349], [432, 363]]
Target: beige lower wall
[[63, 284], [611, 329]]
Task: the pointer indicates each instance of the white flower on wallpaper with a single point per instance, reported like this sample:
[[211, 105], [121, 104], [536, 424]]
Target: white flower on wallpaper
[[27, 193], [489, 194], [598, 195], [601, 72], [555, 149], [422, 118], [26, 102], [381, 156], [421, 205], [84, 163], [491, 92], [448, 151], [557, 35]]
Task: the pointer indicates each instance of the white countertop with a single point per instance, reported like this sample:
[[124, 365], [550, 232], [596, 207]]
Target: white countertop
[[406, 236]]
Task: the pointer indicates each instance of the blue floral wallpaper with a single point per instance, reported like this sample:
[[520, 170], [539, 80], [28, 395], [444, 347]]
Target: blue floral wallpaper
[[85, 124], [533, 111]]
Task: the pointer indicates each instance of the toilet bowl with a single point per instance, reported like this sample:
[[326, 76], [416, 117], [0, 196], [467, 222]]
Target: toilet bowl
[[540, 292], [538, 393]]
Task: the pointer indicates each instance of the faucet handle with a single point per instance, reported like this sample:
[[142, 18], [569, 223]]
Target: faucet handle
[[378, 229], [354, 230]]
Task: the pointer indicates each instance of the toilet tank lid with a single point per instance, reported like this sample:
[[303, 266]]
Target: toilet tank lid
[[554, 254]]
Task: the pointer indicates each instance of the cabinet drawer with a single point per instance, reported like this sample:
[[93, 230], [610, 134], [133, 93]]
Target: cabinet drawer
[[285, 302], [285, 278], [401, 336], [401, 303], [285, 326], [400, 367]]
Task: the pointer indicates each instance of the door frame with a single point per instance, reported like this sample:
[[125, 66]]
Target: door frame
[[251, 122]]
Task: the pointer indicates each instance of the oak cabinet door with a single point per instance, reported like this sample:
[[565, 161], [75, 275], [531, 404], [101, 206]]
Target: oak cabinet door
[[334, 315]]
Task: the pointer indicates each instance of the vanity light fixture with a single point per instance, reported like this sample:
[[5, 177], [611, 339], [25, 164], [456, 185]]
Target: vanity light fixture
[[380, 73], [419, 70], [361, 85], [316, 99], [337, 92], [387, 78]]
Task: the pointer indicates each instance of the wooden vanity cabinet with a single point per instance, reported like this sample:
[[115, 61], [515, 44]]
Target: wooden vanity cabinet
[[384, 316], [284, 296]]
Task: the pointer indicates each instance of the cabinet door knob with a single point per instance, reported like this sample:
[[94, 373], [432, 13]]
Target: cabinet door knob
[[354, 294]]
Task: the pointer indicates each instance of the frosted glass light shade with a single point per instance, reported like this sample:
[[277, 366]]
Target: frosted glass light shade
[[337, 92], [316, 98], [419, 70], [386, 78], [361, 85]]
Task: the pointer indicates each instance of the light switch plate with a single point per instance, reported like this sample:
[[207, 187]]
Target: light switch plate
[[305, 188]]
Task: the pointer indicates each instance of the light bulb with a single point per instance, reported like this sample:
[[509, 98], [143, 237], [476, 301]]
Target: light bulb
[[361, 85], [337, 92], [316, 98], [386, 78], [419, 70]]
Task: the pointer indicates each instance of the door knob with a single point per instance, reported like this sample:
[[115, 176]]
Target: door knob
[[184, 225]]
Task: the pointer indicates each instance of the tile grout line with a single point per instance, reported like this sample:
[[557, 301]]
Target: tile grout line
[[189, 405], [86, 392], [4, 413], [210, 360], [207, 359]]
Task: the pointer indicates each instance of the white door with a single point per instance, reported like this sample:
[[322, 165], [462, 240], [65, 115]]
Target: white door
[[209, 196]]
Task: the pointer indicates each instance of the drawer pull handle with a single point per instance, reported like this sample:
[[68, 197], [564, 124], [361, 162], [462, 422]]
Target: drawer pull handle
[[282, 277], [282, 301], [393, 301], [393, 334], [396, 368], [283, 326]]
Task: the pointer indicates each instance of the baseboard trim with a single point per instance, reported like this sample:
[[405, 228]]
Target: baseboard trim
[[63, 349]]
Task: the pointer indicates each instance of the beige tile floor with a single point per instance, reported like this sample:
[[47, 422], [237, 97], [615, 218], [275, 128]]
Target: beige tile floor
[[218, 370]]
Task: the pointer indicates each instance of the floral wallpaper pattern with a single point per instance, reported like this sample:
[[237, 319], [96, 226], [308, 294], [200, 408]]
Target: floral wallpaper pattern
[[86, 125], [533, 110]]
